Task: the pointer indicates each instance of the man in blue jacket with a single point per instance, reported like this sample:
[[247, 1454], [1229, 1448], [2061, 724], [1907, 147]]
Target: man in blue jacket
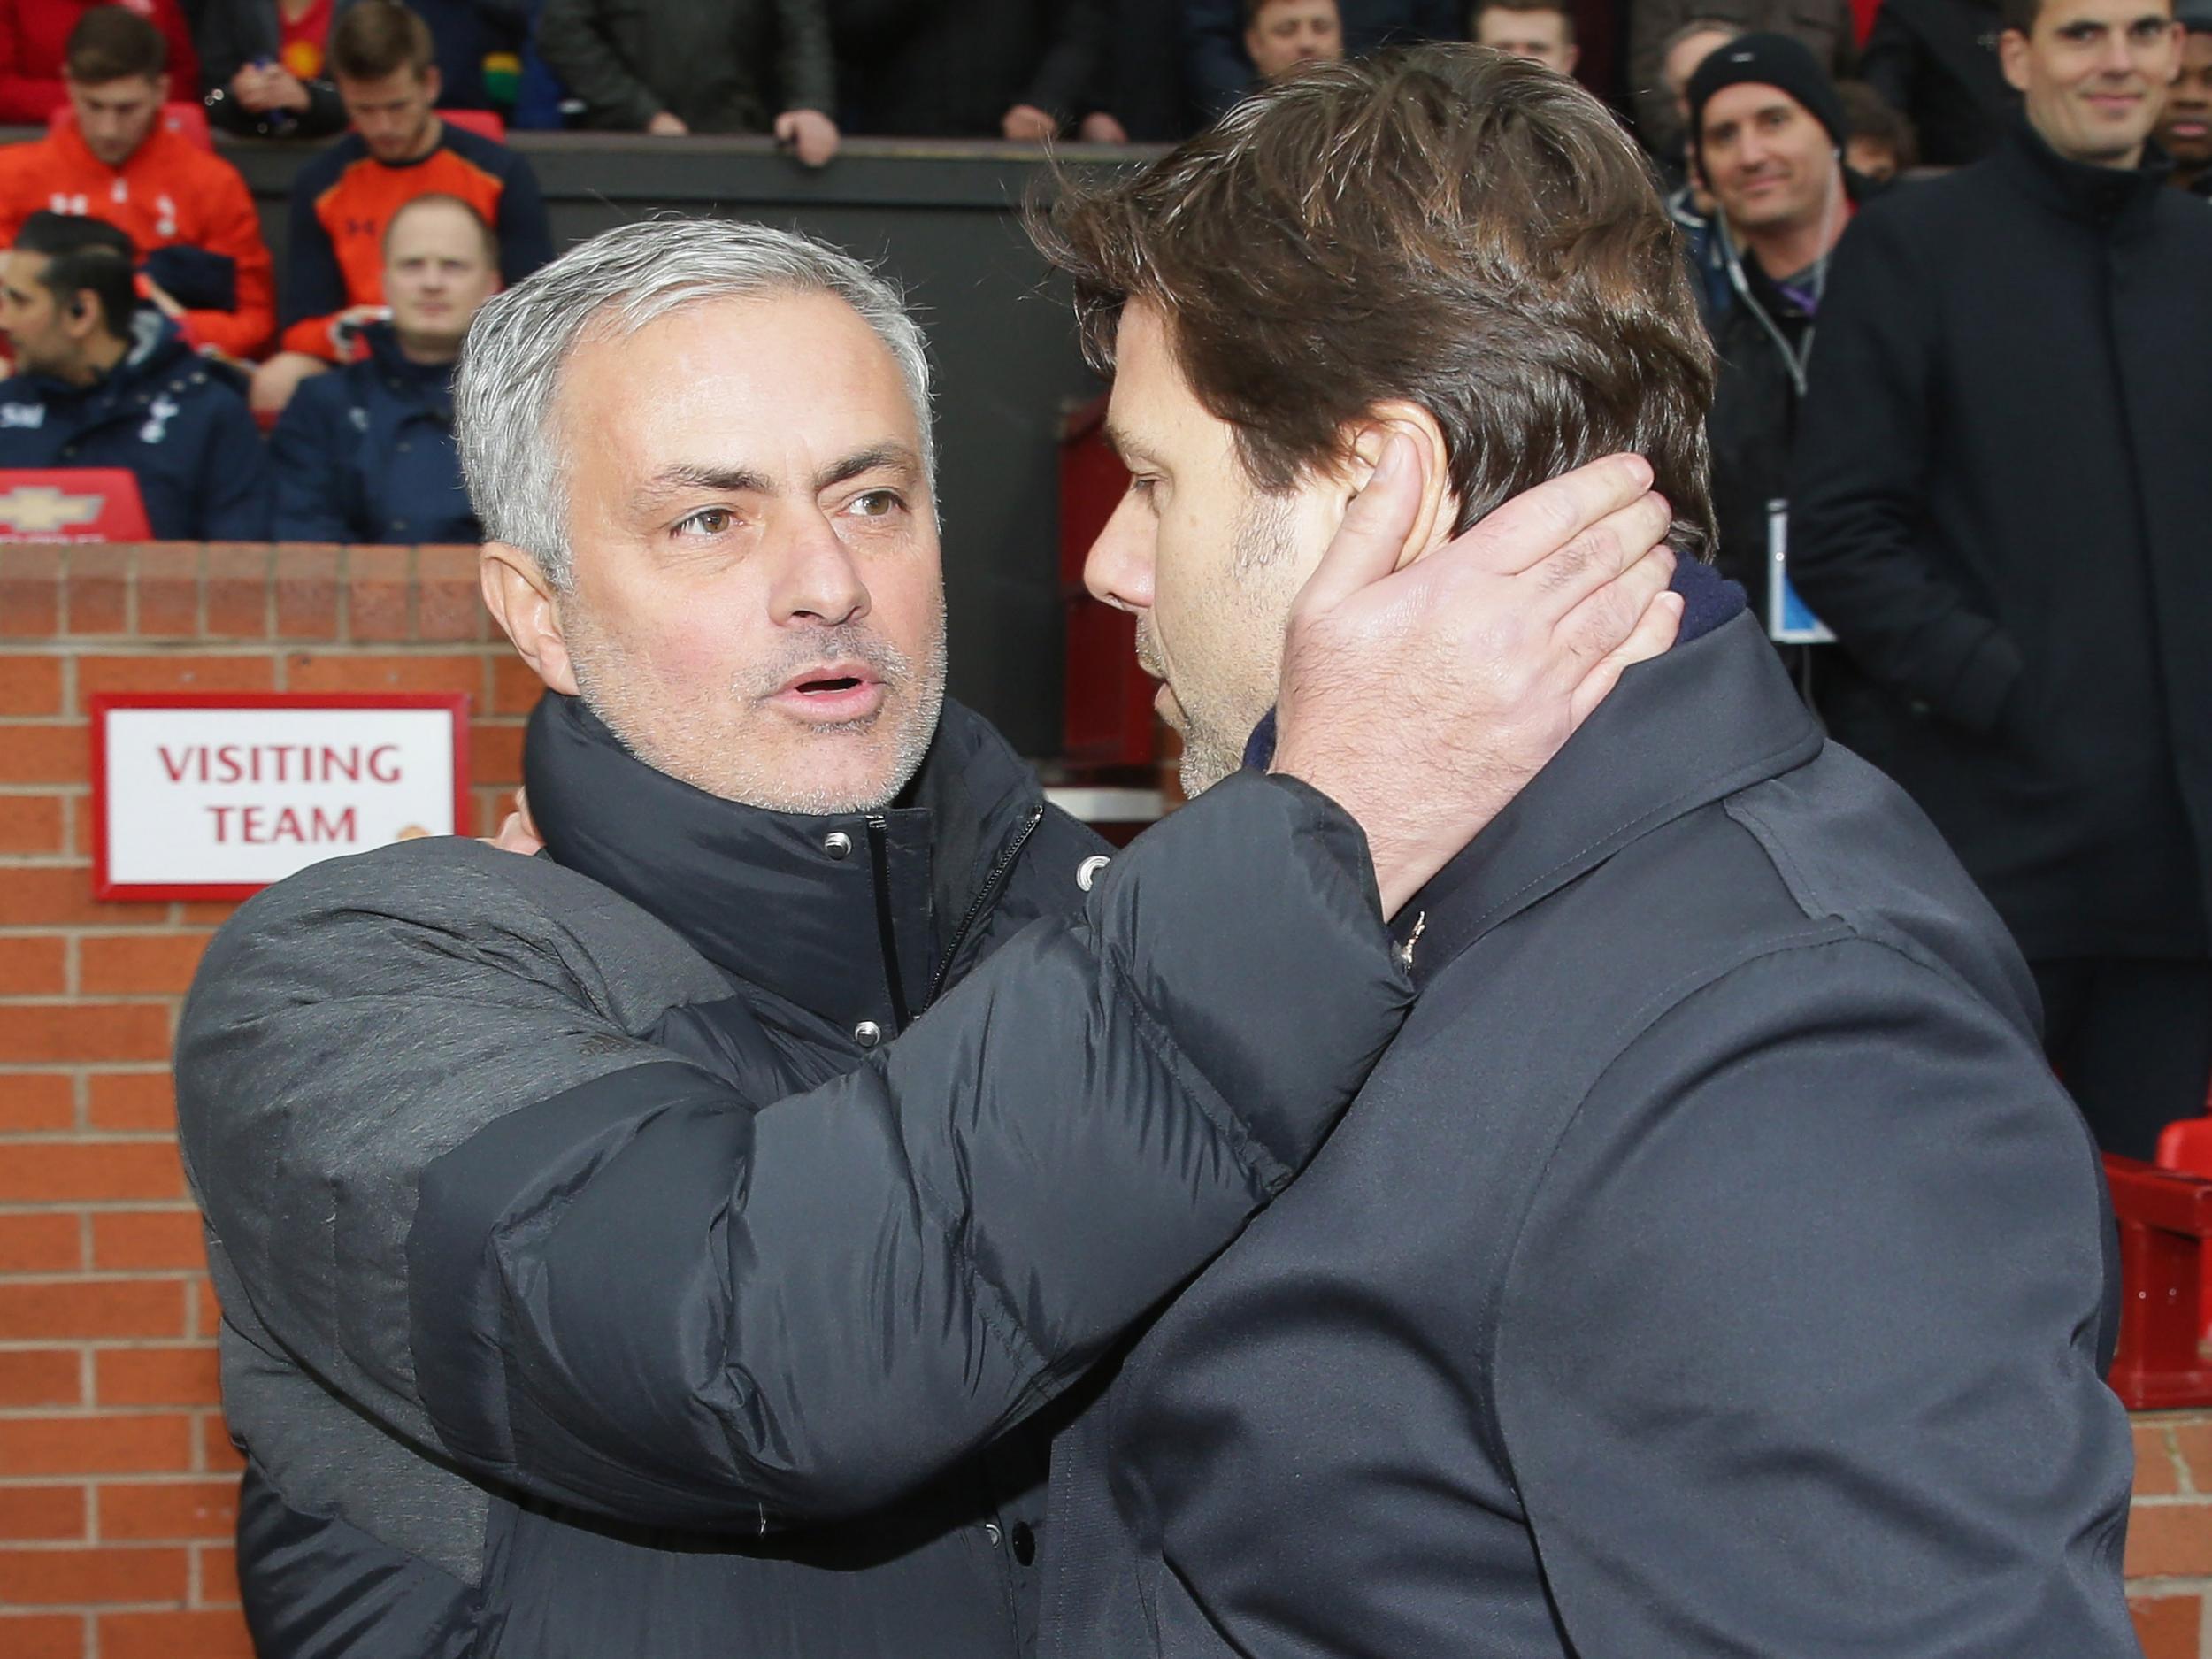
[[367, 454], [101, 382]]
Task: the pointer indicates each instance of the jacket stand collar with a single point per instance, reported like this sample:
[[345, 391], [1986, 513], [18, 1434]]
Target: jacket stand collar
[[842, 915], [2111, 198], [1714, 715]]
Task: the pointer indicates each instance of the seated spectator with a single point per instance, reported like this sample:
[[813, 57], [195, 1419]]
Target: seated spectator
[[675, 66], [1882, 142], [1935, 61], [1767, 130], [2184, 130], [1013, 69], [380, 54], [101, 381], [1825, 28], [189, 212], [266, 63], [35, 41], [1283, 36], [1219, 66], [366, 454], [1542, 31]]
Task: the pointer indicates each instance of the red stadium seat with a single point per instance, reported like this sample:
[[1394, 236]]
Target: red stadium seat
[[484, 123], [186, 120], [71, 504]]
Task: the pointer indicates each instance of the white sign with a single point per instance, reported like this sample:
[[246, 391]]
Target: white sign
[[216, 797]]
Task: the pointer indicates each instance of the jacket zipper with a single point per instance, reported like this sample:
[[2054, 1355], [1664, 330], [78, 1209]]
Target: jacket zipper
[[880, 856], [985, 895]]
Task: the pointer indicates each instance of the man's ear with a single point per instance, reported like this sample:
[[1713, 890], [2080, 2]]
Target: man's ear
[[524, 605], [1439, 506], [2012, 58]]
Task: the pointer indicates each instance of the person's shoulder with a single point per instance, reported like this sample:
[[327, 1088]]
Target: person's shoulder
[[326, 168], [198, 167], [30, 166], [489, 154]]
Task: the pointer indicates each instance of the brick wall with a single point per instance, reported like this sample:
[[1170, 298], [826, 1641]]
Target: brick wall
[[117, 1483]]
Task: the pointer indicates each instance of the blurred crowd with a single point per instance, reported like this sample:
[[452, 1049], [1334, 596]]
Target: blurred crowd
[[1953, 255]]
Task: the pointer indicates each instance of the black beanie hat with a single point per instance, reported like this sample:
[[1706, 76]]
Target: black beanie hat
[[1768, 60]]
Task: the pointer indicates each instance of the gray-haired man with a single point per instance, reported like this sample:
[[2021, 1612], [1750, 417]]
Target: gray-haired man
[[542, 1337]]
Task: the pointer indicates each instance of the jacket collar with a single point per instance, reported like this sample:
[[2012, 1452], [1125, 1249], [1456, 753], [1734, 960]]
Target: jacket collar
[[1714, 715], [401, 371], [761, 895], [156, 347], [2111, 198]]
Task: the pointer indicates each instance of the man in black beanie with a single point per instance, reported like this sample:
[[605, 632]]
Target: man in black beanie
[[1767, 128], [2001, 507]]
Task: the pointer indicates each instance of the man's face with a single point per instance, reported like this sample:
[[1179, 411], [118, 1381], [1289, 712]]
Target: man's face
[[393, 115], [1539, 36], [40, 338], [2094, 73], [2185, 128], [1285, 34], [1207, 564], [758, 607], [437, 271], [115, 117], [1767, 161], [1681, 63]]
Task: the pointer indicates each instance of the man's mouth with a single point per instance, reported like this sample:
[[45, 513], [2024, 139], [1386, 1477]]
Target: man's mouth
[[2192, 127], [831, 692]]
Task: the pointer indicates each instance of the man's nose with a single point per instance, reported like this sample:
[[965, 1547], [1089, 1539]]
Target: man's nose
[[818, 581], [1119, 568]]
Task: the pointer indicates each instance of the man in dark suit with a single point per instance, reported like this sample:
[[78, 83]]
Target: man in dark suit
[[1712, 1264]]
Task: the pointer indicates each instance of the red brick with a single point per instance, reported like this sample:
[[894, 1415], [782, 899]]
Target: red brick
[[496, 755], [377, 592], [44, 1635], [61, 895], [144, 964], [516, 687], [2155, 1475], [167, 574], [41, 1377], [448, 602], [307, 591], [79, 1309], [30, 684], [238, 592], [30, 823], [2169, 1540], [54, 1578], [90, 1031], [30, 592], [341, 672], [32, 967], [216, 1451], [218, 1634], [124, 1100], [155, 1376], [159, 1510], [97, 590], [218, 1576], [140, 1444], [172, 670], [2170, 1626], [213, 913], [44, 1242], [43, 1513], [67, 1172], [2192, 1443], [45, 754], [141, 1240], [34, 1100]]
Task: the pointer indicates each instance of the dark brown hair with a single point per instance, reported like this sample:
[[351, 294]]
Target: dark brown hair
[[1867, 114], [111, 44], [1445, 224], [379, 38]]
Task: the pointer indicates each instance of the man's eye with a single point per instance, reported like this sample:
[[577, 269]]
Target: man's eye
[[709, 521], [878, 504]]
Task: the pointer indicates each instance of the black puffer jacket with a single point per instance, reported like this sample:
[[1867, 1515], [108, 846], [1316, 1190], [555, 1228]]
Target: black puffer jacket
[[543, 1341]]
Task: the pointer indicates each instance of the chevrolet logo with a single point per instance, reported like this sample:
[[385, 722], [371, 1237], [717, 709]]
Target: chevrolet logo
[[37, 508]]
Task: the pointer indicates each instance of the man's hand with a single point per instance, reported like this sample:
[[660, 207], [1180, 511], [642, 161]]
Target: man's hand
[[1100, 128], [161, 299], [667, 123], [1026, 124], [1422, 699], [809, 135], [518, 831]]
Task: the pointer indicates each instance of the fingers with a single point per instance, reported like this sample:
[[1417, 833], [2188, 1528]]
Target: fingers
[[1653, 636], [1367, 545], [1535, 525]]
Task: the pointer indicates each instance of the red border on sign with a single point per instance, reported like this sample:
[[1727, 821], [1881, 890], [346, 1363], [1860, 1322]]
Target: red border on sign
[[455, 703]]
